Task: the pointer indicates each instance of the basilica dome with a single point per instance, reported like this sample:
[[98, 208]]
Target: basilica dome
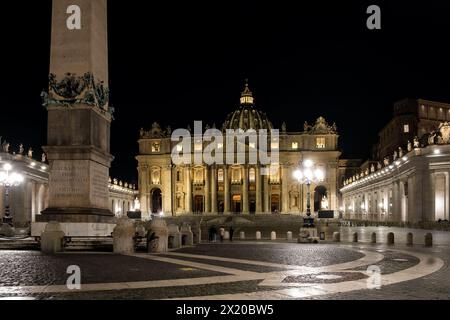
[[246, 116]]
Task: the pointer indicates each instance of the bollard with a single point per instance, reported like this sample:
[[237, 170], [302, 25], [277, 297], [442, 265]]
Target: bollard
[[52, 238], [355, 237], [242, 235], [289, 235], [273, 236], [158, 236], [374, 238], [390, 238], [337, 237], [174, 240], [123, 242], [429, 240], [187, 236], [258, 235], [409, 239]]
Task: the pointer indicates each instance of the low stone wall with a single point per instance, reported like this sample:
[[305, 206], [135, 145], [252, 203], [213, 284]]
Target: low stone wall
[[438, 226]]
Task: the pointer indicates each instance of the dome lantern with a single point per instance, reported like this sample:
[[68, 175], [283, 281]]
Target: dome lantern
[[247, 116], [247, 96]]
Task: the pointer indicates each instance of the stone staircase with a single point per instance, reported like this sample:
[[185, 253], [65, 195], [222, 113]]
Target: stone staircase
[[18, 244], [89, 244]]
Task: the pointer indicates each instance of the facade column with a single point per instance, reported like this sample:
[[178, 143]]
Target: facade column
[[258, 190], [266, 193], [167, 189], [245, 206], [285, 189], [143, 189], [227, 190], [214, 189], [188, 175], [2, 202], [207, 208]]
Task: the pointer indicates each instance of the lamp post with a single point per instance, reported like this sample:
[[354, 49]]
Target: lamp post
[[307, 174], [9, 179]]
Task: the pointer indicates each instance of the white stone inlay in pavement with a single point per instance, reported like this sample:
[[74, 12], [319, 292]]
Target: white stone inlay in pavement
[[328, 276], [427, 265]]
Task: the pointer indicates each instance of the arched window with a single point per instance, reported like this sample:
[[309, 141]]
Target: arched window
[[199, 175], [236, 176]]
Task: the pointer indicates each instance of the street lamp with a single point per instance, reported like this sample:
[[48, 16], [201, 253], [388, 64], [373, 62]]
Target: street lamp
[[308, 174], [9, 179]]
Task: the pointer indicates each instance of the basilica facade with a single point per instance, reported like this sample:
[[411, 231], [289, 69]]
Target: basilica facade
[[172, 189]]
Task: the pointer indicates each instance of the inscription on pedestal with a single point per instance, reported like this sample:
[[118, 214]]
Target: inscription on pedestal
[[68, 181], [99, 189]]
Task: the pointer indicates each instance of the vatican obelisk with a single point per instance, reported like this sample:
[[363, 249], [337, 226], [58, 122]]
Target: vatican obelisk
[[79, 116]]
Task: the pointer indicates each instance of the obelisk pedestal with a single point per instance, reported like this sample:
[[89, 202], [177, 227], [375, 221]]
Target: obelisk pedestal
[[79, 117]]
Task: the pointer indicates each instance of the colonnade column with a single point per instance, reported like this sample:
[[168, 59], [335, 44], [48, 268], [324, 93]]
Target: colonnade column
[[395, 202], [214, 189], [226, 177]]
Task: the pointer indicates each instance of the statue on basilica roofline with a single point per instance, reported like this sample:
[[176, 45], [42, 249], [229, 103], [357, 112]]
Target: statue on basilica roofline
[[30, 153], [431, 138], [400, 152], [372, 168], [386, 162], [395, 155], [444, 129], [306, 126], [409, 146], [283, 127], [21, 149], [168, 131], [44, 158], [416, 142], [5, 145], [379, 165]]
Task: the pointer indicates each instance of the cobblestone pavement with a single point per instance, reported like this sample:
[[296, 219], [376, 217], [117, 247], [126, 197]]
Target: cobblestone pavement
[[238, 271]]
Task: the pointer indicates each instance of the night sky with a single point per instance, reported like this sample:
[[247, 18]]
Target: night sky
[[176, 62]]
